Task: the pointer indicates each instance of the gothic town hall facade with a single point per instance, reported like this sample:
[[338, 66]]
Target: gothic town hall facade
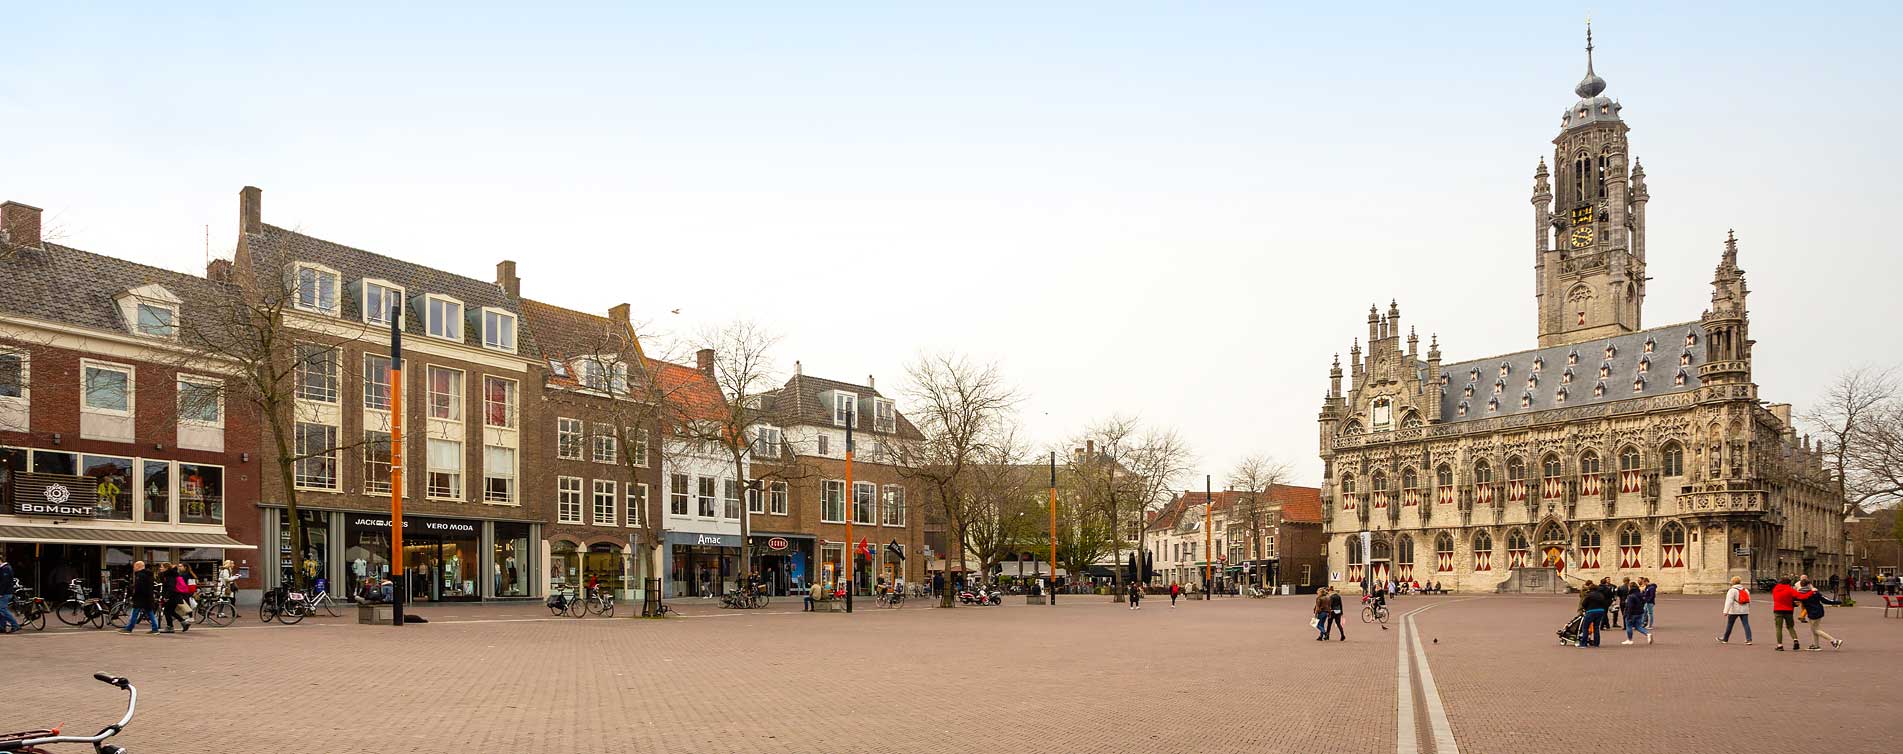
[[1610, 450]]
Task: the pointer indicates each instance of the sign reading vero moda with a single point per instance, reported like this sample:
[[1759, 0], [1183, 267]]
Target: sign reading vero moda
[[55, 495], [426, 524]]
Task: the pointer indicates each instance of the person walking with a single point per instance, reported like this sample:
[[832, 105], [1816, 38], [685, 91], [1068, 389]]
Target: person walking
[[1632, 601], [1781, 612], [1136, 596], [1593, 602], [228, 580], [1176, 590], [1812, 602], [8, 624], [1334, 616], [142, 602], [1321, 613], [169, 597], [1651, 592], [1737, 610]]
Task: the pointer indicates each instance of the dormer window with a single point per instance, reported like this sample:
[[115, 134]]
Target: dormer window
[[1499, 386], [1526, 400], [1572, 359], [314, 288], [1467, 392], [1605, 370], [498, 330], [884, 418], [1567, 378], [1493, 404], [1638, 385], [1473, 374], [157, 320], [1644, 365], [1560, 396], [1691, 338], [1611, 351], [1505, 369], [1461, 410], [1599, 390], [1650, 344], [379, 298], [445, 317], [1679, 379], [845, 409], [1532, 381], [1685, 359], [603, 373], [150, 311], [1538, 364]]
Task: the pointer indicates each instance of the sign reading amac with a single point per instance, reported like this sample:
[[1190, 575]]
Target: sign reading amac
[[57, 495]]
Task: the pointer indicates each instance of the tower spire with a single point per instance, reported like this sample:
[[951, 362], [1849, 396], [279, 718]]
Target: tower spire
[[1590, 86]]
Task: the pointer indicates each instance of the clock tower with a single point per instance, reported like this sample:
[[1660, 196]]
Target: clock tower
[[1589, 223]]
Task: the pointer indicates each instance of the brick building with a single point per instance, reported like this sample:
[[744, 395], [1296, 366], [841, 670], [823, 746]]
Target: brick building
[[1285, 545], [116, 443]]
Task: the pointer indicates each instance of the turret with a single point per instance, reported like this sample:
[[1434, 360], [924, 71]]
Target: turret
[[1413, 344], [1432, 394], [1394, 318], [1638, 197], [1354, 363], [1334, 378], [1374, 325], [1727, 323]]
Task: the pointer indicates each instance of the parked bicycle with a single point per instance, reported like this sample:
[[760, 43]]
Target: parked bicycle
[[892, 598], [29, 607], [600, 602], [31, 741], [216, 609], [744, 599], [82, 608], [284, 606], [565, 601]]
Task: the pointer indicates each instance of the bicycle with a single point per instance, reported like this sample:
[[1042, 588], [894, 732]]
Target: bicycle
[[600, 602], [218, 609], [31, 609], [565, 601], [284, 606], [892, 598], [323, 601], [29, 742], [82, 608], [1373, 611]]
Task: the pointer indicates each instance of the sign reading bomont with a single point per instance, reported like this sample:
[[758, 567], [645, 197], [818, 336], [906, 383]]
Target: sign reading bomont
[[55, 495]]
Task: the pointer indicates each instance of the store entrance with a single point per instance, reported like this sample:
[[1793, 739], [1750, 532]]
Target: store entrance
[[48, 569], [441, 569]]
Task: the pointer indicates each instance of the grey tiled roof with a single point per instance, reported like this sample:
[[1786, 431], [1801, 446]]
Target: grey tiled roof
[[802, 401], [1628, 351], [274, 249], [62, 284]]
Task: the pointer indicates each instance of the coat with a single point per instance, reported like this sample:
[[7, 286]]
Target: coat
[[1781, 598], [1321, 604], [142, 590], [6, 579], [1735, 603]]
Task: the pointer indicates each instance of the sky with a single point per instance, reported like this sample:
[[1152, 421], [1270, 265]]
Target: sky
[[1176, 211]]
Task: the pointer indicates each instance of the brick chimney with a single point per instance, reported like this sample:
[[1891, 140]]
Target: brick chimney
[[704, 361], [21, 223], [506, 279], [218, 271], [250, 210]]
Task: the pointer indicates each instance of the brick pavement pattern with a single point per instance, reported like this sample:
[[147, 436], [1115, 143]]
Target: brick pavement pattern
[[1235, 675]]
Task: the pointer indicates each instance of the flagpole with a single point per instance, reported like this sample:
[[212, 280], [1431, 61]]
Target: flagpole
[[396, 465], [852, 503], [1053, 527]]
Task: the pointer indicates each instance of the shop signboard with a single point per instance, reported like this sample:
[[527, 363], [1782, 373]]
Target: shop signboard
[[411, 523], [776, 544], [699, 539], [56, 495]]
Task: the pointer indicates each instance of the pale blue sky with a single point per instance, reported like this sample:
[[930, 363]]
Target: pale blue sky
[[1179, 210]]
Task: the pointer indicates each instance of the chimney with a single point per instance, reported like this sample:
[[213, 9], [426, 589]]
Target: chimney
[[704, 361], [218, 271], [870, 383], [618, 313], [1090, 448], [796, 368], [21, 223], [250, 209], [506, 279]]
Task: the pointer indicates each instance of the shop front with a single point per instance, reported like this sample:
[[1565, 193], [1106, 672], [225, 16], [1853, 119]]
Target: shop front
[[783, 561], [447, 559], [603, 565], [701, 565]]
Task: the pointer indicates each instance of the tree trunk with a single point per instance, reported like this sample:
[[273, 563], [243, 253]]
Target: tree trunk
[[287, 466]]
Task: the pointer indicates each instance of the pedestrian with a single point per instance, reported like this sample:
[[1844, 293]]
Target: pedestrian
[[807, 605], [938, 583], [1334, 616], [1593, 602], [8, 624], [171, 598], [1813, 602], [1781, 609], [1136, 596], [1738, 610], [1634, 603], [1321, 613], [1176, 590], [142, 603], [1651, 591], [1615, 616], [228, 580]]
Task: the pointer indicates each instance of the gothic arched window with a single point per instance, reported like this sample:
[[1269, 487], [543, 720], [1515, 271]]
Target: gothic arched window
[[1589, 536], [1672, 534], [1629, 536], [1410, 419], [1629, 459], [1550, 466], [1516, 469], [1483, 472], [1444, 476], [1588, 463], [1483, 541], [1410, 479], [1672, 459]]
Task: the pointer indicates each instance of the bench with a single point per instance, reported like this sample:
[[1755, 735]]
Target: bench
[[828, 602]]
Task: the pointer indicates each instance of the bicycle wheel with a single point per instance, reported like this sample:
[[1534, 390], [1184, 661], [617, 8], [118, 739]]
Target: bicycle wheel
[[120, 611], [35, 616], [594, 606], [71, 613], [760, 599], [96, 615], [222, 614], [577, 607], [1381, 615], [293, 613], [267, 609], [1367, 615], [330, 606], [608, 607]]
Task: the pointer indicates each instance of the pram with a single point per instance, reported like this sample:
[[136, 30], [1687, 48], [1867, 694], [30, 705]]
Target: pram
[[1570, 635]]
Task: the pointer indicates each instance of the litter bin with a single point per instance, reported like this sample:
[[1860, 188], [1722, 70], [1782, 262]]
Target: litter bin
[[1288, 589]]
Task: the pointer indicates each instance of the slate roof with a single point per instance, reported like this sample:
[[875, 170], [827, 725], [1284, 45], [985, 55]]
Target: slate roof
[[1669, 347], [273, 249], [62, 284], [802, 401], [565, 334]]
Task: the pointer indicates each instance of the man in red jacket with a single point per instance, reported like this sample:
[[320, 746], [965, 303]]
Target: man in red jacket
[[1781, 607]]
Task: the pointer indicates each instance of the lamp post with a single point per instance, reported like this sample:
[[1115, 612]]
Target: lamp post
[[396, 465], [1209, 534], [852, 503], [1053, 590]]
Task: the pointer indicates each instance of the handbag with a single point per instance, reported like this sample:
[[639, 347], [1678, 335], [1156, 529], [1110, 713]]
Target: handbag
[[1315, 622]]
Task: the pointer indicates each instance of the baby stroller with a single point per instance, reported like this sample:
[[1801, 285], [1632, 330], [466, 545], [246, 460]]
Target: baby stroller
[[1569, 636]]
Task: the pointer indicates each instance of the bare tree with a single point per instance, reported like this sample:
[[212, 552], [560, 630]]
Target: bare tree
[[1256, 476], [1859, 421], [1002, 516], [742, 370], [1124, 471], [960, 407]]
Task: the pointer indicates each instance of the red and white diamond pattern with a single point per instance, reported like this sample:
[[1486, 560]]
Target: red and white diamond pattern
[[1380, 498], [1444, 495], [1516, 558], [1588, 557], [1411, 497], [1552, 488], [1483, 561], [1516, 491], [1348, 501], [1628, 556], [1444, 562], [1484, 495], [1404, 572], [1355, 571], [1591, 484], [1629, 481], [1672, 555]]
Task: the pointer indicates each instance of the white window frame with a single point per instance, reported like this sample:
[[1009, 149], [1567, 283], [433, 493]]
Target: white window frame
[[218, 404], [431, 320], [636, 493], [888, 506], [731, 503], [678, 492], [389, 390], [460, 394], [604, 444], [485, 313], [776, 498], [26, 376], [139, 306], [820, 444], [841, 401], [303, 481], [768, 441], [369, 460], [827, 488], [334, 390], [430, 470], [392, 292], [566, 429], [639, 437], [885, 417], [604, 490], [756, 500], [131, 373], [511, 411], [568, 500], [327, 308], [707, 497], [872, 504], [508, 475]]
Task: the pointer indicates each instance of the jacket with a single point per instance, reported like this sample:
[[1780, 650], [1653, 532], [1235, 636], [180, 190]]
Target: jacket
[[1334, 603], [142, 590], [168, 586], [1651, 593], [1595, 599], [1634, 604], [1733, 605], [1813, 602], [1781, 598], [1321, 603], [6, 579]]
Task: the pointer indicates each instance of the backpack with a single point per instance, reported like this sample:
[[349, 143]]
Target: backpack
[[1744, 596]]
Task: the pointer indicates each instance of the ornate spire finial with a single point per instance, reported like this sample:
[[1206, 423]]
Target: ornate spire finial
[[1590, 86]]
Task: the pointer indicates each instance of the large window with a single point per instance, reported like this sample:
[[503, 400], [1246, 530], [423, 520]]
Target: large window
[[12, 374], [445, 394], [376, 462], [705, 498], [605, 447], [317, 378], [379, 299], [445, 318], [845, 408], [445, 469], [108, 388], [637, 504], [158, 491], [157, 320], [894, 514], [832, 501], [1672, 460], [376, 382], [639, 446], [604, 502], [884, 418], [568, 438], [201, 401], [776, 498], [863, 494], [498, 474], [677, 494], [498, 402], [201, 494], [756, 498], [730, 499], [316, 466], [112, 480], [766, 442], [498, 330], [568, 500], [316, 289]]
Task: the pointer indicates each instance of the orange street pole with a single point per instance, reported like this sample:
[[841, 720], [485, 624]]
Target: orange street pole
[[1053, 585], [396, 465], [852, 504], [1209, 554]]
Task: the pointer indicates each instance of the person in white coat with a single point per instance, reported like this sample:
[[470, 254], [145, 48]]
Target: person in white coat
[[1737, 610]]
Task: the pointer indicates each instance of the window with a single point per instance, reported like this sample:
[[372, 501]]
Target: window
[[201, 494], [604, 502], [1409, 479], [568, 500], [1516, 469], [776, 498], [594, 374], [445, 469], [705, 498], [832, 501], [1629, 459], [756, 497], [376, 463], [863, 506], [894, 514], [638, 447], [498, 474], [730, 499], [317, 373], [108, 388], [201, 402], [568, 438], [845, 409], [316, 466], [824, 441], [1483, 472], [677, 494], [1588, 463], [12, 375], [445, 394], [157, 320], [376, 382], [1444, 476], [498, 330], [766, 442], [637, 504], [380, 299], [606, 447], [445, 317], [884, 418], [1550, 467], [498, 402], [1672, 460], [1381, 413], [316, 289]]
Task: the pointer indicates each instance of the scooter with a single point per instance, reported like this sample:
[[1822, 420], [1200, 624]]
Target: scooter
[[980, 596]]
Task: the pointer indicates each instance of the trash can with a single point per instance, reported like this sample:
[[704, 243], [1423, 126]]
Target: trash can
[[1288, 589]]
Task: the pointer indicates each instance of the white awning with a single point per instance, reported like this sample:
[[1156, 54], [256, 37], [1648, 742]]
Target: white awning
[[77, 535]]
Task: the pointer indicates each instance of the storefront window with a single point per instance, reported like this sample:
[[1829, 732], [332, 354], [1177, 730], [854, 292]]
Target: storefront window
[[204, 562], [311, 559], [567, 564], [366, 549], [512, 575], [119, 569], [832, 563], [201, 494], [158, 491], [50, 462], [113, 478], [603, 565]]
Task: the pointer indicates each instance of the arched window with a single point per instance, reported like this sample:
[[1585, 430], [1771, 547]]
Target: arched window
[[1444, 553], [1672, 545], [1516, 539], [1444, 476], [1382, 550], [1516, 469], [1588, 463], [1348, 483], [1629, 459], [1672, 459], [1379, 481], [1381, 412], [1404, 558], [1629, 541], [1354, 550], [1589, 536], [1409, 478], [1589, 546], [1483, 472], [1351, 428], [1672, 534], [1483, 551], [1410, 419]]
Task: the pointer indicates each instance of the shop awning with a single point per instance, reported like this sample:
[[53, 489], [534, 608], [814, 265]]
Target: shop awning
[[73, 535]]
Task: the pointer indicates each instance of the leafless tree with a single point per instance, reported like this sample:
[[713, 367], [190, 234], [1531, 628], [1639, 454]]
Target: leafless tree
[[1859, 421], [1255, 477], [1124, 471], [742, 363], [960, 407], [1002, 516]]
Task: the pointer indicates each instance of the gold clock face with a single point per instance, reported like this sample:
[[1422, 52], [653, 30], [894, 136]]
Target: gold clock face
[[1582, 236]]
